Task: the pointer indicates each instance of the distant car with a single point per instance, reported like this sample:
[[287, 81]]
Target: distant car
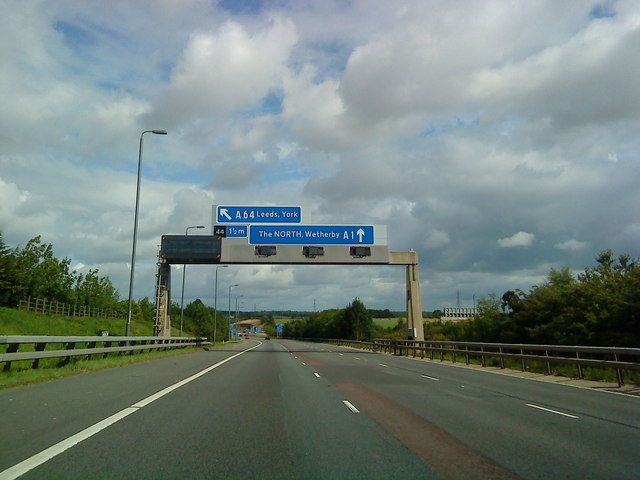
[[247, 337], [267, 337]]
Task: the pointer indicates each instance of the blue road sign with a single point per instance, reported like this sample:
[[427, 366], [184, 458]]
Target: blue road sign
[[274, 214], [311, 234]]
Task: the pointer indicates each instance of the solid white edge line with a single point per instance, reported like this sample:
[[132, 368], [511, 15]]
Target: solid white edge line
[[551, 411], [38, 459], [350, 406]]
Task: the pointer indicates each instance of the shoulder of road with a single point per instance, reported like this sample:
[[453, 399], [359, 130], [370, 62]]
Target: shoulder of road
[[573, 382]]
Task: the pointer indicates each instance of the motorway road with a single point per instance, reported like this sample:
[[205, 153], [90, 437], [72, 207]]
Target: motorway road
[[284, 409]]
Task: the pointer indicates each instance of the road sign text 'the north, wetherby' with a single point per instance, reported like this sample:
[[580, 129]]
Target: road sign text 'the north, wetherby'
[[311, 234]]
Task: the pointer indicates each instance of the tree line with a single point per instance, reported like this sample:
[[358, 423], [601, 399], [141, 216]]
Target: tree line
[[600, 306], [353, 322], [33, 271]]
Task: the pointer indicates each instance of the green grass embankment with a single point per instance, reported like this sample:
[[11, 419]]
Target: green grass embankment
[[16, 322]]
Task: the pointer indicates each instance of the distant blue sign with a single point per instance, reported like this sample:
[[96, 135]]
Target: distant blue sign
[[279, 328], [239, 214], [311, 234]]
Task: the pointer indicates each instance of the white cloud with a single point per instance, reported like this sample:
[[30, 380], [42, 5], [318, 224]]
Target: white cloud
[[313, 109], [436, 239], [571, 245], [226, 70], [520, 239]]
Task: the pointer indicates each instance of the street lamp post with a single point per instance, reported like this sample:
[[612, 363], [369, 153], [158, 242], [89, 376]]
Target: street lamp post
[[236, 315], [215, 304], [184, 273], [135, 227], [229, 311]]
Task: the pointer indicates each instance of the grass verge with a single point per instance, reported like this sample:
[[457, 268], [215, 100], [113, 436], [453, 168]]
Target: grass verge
[[17, 322], [21, 372]]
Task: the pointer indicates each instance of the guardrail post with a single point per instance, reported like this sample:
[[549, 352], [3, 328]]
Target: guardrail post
[[466, 349], [484, 360], [90, 345], [39, 348], [12, 348], [501, 358], [618, 372], [580, 371], [70, 346], [546, 354], [523, 361]]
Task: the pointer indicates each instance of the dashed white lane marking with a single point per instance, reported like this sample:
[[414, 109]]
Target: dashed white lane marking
[[550, 411], [430, 378], [383, 365], [350, 406], [316, 374]]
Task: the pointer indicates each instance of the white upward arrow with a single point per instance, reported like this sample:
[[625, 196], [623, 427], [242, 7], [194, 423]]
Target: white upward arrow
[[360, 234], [225, 213]]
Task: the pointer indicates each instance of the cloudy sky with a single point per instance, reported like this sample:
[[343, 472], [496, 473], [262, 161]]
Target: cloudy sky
[[496, 138]]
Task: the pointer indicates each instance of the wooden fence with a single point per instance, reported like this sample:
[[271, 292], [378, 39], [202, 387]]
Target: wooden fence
[[42, 305]]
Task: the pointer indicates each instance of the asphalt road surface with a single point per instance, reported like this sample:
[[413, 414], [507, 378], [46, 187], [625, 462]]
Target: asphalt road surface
[[283, 409]]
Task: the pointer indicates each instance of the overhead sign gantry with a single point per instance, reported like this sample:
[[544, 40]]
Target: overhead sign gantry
[[283, 235]]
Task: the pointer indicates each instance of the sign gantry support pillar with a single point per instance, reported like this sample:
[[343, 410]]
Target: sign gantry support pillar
[[415, 326], [162, 318], [414, 304]]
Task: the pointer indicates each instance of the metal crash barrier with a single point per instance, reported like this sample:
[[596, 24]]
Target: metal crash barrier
[[618, 359], [80, 346]]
